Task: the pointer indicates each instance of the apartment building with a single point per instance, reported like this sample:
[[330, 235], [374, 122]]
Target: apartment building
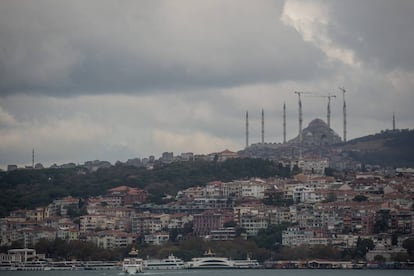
[[92, 223], [207, 221], [148, 223], [112, 239], [295, 236]]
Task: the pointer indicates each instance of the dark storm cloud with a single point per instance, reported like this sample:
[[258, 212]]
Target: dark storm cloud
[[72, 47], [380, 32]]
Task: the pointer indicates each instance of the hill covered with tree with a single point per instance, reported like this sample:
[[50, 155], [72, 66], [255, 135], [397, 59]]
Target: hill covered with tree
[[388, 148], [29, 188]]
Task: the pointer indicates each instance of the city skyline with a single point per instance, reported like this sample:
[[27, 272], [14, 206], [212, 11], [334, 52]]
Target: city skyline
[[134, 79]]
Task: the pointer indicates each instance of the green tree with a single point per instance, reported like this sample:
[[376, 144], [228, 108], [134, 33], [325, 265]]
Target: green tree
[[330, 197], [295, 170], [382, 221], [271, 237], [409, 245], [360, 198], [362, 247]]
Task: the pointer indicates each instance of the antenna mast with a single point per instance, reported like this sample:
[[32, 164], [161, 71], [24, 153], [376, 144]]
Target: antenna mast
[[262, 126], [344, 111]]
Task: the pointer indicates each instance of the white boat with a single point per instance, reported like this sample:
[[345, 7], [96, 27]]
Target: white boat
[[210, 261], [169, 263], [248, 263], [132, 264]]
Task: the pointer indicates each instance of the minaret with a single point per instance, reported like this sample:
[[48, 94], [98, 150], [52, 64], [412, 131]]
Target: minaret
[[262, 126], [328, 119], [344, 111], [284, 122], [300, 123], [247, 129], [393, 121], [33, 158]]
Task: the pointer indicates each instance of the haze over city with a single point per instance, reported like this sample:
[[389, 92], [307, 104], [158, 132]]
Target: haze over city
[[113, 80]]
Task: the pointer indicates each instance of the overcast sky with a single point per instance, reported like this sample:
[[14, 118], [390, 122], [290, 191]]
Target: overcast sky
[[113, 80]]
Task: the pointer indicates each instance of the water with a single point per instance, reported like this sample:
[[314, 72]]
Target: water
[[227, 272]]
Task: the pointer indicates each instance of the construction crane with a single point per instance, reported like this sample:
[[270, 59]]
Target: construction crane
[[344, 111], [329, 96], [300, 120]]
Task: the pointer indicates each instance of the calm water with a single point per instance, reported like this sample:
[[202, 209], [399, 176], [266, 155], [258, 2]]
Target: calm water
[[248, 272]]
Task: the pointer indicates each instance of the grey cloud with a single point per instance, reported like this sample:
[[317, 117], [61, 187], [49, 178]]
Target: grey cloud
[[72, 47], [151, 76], [379, 31]]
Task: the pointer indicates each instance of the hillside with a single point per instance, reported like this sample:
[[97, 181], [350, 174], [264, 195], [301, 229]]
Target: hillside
[[388, 148], [26, 189], [31, 188]]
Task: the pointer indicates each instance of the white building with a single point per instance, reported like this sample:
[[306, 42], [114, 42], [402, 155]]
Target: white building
[[252, 223], [149, 223], [96, 222], [295, 237], [313, 165], [303, 193], [223, 234], [112, 239], [254, 189], [157, 238]]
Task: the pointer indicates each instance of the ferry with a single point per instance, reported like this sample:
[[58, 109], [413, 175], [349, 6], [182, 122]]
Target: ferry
[[169, 263], [26, 266], [132, 264], [248, 263], [210, 261]]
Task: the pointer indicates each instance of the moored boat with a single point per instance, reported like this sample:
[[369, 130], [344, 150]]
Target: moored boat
[[209, 260], [132, 264], [247, 263], [169, 263]]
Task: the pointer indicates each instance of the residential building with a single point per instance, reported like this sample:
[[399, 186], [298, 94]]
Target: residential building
[[112, 239], [294, 236], [147, 223], [64, 206], [210, 220], [125, 196], [252, 223], [223, 234], [91, 223], [157, 238]]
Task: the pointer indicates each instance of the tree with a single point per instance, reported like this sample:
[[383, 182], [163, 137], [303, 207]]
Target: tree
[[330, 197], [360, 198], [409, 245], [362, 247], [295, 170], [382, 221], [330, 171], [270, 237], [379, 259], [173, 234], [283, 171]]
